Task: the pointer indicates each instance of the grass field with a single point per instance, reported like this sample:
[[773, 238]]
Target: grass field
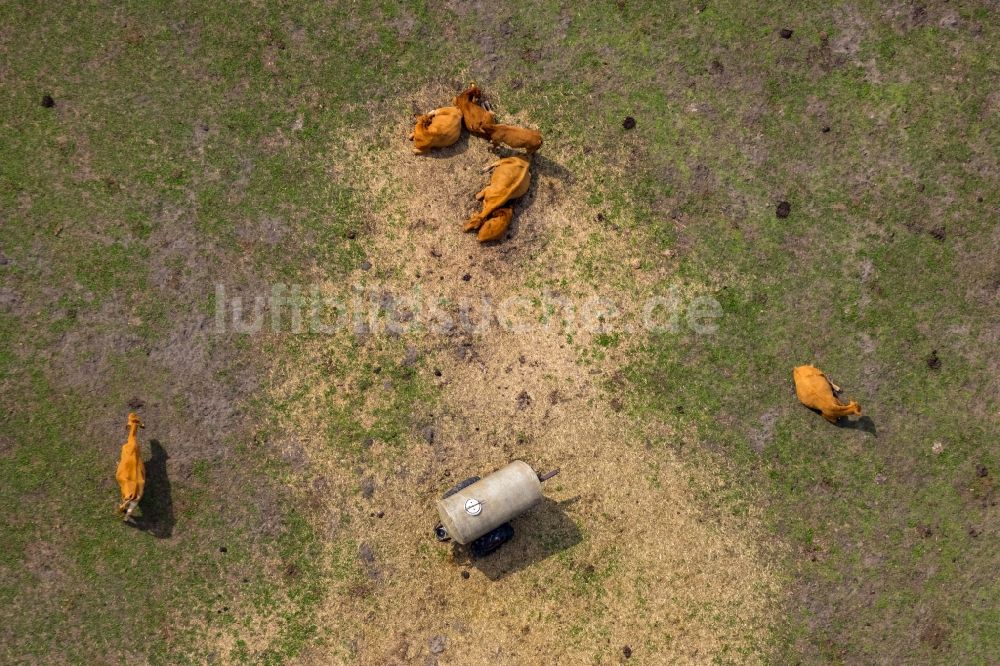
[[198, 153]]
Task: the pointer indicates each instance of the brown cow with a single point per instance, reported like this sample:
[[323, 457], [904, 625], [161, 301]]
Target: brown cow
[[510, 180], [515, 137], [473, 114], [131, 473], [816, 391], [495, 225], [437, 129]]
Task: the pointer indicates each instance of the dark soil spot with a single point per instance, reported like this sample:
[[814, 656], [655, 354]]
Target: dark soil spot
[[292, 570], [464, 351], [410, 359], [359, 590], [973, 532], [437, 644], [465, 575], [428, 434], [616, 405], [9, 299], [938, 233], [365, 265], [366, 553], [600, 217], [48, 102], [628, 123], [437, 373], [523, 400], [785, 33], [760, 437], [362, 331], [924, 530], [716, 66], [627, 652], [466, 277], [135, 403], [367, 443], [933, 362], [351, 235], [783, 210], [368, 487], [981, 471]]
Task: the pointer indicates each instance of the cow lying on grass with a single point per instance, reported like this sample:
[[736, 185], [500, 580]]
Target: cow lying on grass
[[474, 116], [510, 180], [495, 225], [438, 129], [131, 473], [816, 391], [515, 137]]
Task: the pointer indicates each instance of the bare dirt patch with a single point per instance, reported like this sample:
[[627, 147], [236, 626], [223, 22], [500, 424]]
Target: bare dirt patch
[[619, 554]]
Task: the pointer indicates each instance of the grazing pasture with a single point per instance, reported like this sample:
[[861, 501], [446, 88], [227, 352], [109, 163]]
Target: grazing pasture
[[212, 216]]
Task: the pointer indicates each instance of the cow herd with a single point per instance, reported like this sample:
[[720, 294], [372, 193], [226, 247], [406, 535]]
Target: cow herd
[[510, 179], [511, 176]]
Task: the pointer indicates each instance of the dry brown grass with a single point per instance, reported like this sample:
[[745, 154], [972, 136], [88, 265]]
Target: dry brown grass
[[620, 554]]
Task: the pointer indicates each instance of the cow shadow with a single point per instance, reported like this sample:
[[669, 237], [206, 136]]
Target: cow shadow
[[157, 503], [548, 167], [538, 534], [864, 424], [447, 152]]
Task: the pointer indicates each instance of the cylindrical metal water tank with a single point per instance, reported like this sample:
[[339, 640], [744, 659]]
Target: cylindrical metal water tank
[[490, 502]]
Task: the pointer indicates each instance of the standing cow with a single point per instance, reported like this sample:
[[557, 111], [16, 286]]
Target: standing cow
[[131, 473]]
